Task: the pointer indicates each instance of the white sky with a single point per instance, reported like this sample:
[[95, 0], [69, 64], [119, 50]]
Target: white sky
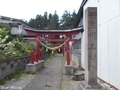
[[26, 9]]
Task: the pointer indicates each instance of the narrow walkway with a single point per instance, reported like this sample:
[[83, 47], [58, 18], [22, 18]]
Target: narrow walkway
[[49, 78]]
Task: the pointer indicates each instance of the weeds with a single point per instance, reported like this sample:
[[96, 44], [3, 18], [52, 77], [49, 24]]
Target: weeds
[[47, 85], [15, 75]]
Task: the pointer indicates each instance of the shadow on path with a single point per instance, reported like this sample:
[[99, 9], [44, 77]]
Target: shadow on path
[[49, 78]]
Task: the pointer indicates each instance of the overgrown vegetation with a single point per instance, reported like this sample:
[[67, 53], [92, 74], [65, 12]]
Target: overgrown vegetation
[[11, 47]]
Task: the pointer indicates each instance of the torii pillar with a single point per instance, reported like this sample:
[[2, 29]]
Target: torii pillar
[[90, 82], [68, 64], [37, 64], [63, 50], [37, 49]]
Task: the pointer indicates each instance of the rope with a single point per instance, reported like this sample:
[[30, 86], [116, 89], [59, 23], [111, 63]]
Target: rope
[[53, 48]]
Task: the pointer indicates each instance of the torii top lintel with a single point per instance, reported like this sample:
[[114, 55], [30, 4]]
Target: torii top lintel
[[55, 32]]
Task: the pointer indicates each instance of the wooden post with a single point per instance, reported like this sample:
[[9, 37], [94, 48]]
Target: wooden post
[[63, 50], [68, 52], [40, 58], [37, 49], [32, 57]]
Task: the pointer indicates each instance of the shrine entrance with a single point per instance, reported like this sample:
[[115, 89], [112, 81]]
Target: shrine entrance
[[62, 36]]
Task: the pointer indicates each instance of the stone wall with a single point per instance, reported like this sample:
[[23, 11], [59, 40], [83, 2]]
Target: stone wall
[[10, 66]]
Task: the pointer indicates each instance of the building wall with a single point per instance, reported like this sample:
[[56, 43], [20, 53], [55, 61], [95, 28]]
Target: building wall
[[18, 30], [108, 40]]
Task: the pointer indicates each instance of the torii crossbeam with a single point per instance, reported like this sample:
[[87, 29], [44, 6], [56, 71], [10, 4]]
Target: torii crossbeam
[[51, 33]]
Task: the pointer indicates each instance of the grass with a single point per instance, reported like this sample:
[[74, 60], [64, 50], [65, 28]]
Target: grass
[[15, 75], [47, 85]]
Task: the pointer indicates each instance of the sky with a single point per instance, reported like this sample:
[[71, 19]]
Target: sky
[[27, 9]]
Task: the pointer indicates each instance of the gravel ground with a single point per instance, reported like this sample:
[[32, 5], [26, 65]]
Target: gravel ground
[[67, 80], [18, 84]]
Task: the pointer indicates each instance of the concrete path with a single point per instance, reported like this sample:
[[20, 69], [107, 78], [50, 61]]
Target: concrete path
[[49, 78]]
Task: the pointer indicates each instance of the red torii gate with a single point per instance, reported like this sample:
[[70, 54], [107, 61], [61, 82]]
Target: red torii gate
[[52, 33]]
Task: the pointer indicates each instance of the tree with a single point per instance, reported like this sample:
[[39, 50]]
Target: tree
[[39, 22], [49, 21], [32, 23], [53, 21], [45, 20], [67, 20]]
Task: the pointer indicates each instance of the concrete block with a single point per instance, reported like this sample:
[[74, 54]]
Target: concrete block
[[42, 63], [18, 60], [8, 66], [3, 64], [85, 86], [69, 69], [12, 62], [35, 67]]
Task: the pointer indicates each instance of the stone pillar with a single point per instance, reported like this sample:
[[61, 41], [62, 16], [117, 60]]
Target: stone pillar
[[91, 48]]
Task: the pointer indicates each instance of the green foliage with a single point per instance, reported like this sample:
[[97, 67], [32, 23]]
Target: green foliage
[[67, 20], [47, 85], [11, 47], [2, 81], [49, 21], [4, 26], [53, 24]]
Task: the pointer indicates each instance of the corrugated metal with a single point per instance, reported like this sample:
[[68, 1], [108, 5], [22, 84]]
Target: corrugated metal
[[103, 52], [107, 10], [108, 40]]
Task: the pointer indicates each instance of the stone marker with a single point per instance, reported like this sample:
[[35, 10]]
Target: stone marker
[[91, 50]]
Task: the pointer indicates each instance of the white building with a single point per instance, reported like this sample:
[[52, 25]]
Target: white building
[[108, 25], [15, 24]]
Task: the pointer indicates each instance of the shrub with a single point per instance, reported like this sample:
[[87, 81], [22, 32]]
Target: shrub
[[11, 47]]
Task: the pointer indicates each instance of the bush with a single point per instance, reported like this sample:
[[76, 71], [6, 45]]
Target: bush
[[11, 47]]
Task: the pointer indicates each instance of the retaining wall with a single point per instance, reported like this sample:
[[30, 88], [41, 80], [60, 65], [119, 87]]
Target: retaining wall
[[10, 66]]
